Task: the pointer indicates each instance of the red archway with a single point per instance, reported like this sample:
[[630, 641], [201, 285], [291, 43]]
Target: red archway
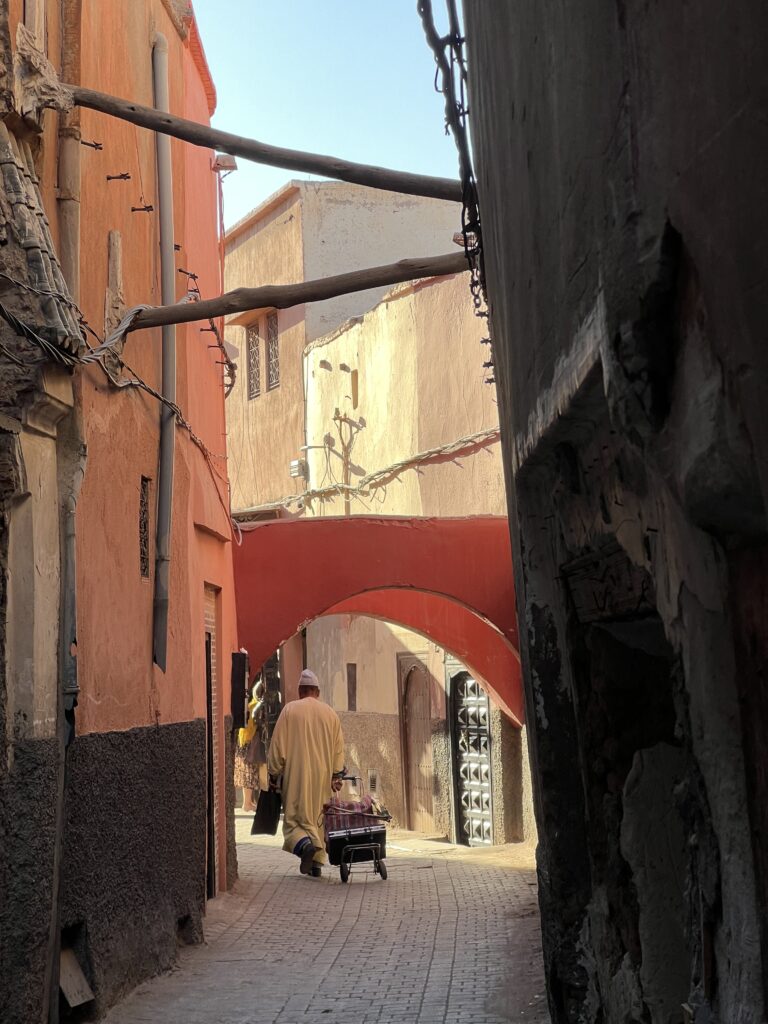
[[449, 579], [487, 654]]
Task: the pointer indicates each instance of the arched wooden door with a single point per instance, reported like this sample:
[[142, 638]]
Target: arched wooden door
[[417, 732]]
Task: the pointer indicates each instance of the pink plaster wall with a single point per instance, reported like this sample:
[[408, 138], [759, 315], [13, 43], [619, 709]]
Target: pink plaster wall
[[120, 686]]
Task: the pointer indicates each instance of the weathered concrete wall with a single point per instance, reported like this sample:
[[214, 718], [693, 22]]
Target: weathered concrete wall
[[443, 799], [309, 230], [418, 351], [621, 160], [372, 742], [266, 432], [27, 836], [333, 641], [134, 854], [507, 774], [350, 227]]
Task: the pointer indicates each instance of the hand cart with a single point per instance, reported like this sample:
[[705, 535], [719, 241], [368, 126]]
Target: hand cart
[[356, 832]]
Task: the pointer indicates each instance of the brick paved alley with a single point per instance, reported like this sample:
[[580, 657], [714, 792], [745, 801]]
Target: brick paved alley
[[451, 937]]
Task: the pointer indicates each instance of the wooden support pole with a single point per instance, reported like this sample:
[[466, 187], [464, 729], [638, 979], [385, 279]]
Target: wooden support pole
[[262, 153], [283, 296]]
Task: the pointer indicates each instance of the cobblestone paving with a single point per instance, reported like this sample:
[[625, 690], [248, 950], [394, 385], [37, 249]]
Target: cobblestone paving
[[452, 937]]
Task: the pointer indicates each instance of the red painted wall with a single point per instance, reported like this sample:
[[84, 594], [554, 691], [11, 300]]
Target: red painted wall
[[120, 686], [461, 569], [487, 653]]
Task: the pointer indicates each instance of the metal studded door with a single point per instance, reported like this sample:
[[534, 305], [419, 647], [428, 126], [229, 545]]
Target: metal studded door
[[472, 761]]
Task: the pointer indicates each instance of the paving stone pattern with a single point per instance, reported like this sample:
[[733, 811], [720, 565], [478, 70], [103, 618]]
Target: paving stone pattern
[[451, 937]]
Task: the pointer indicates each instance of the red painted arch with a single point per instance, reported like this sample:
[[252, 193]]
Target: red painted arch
[[486, 653], [289, 572]]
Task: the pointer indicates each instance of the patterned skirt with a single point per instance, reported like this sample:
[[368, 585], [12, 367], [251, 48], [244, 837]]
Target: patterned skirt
[[246, 774]]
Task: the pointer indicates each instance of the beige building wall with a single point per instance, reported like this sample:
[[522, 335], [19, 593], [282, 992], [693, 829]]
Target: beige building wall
[[308, 230], [266, 432], [367, 381], [408, 377], [348, 227], [402, 380]]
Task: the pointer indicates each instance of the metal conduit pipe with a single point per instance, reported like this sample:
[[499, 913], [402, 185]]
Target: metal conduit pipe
[[168, 385]]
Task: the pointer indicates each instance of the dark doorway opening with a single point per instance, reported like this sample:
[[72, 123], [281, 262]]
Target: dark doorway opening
[[210, 844]]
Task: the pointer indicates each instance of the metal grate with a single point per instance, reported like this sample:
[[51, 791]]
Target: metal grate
[[472, 760], [254, 362], [144, 527], [273, 352]]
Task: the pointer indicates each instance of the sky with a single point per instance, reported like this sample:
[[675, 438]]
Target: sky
[[347, 78]]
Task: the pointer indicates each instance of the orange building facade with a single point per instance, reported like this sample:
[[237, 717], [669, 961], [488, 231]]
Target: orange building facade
[[123, 869]]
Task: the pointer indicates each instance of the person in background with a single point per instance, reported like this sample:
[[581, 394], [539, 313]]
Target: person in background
[[250, 757], [307, 750]]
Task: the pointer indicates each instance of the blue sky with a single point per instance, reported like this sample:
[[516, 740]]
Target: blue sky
[[351, 78]]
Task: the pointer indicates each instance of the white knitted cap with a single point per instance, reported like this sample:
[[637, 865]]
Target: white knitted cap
[[308, 678]]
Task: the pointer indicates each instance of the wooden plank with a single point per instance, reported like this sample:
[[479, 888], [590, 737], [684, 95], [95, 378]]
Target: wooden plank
[[73, 982], [284, 296], [263, 153]]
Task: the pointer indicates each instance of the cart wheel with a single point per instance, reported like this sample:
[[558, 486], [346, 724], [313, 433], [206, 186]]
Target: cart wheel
[[344, 871], [383, 870]]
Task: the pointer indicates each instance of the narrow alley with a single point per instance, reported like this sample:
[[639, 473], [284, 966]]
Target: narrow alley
[[452, 935], [383, 481]]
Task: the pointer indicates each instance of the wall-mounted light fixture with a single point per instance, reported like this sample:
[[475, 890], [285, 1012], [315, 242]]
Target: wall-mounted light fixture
[[298, 468], [223, 163]]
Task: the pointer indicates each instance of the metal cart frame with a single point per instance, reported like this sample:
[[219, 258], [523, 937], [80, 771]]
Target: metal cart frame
[[358, 844]]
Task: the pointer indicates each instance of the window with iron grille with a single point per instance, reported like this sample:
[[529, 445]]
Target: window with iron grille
[[144, 527], [351, 687], [254, 362], [273, 352]]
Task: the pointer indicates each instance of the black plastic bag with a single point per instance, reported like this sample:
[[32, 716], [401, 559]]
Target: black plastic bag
[[267, 816]]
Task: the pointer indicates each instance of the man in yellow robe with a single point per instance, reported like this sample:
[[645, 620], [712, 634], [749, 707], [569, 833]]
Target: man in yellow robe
[[307, 749]]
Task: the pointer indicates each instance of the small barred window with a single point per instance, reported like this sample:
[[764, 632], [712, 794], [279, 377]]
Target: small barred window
[[254, 362], [273, 352], [144, 527]]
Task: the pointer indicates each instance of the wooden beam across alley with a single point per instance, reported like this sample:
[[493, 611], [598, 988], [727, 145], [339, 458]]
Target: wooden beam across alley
[[283, 296], [263, 153]]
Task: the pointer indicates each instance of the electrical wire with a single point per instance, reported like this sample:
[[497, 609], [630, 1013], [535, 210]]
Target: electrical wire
[[96, 355], [451, 81], [375, 480]]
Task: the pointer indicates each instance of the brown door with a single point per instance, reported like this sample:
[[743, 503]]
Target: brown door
[[418, 749]]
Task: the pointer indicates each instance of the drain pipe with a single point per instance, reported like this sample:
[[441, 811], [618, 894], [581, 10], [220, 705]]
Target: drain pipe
[[71, 457], [168, 386]]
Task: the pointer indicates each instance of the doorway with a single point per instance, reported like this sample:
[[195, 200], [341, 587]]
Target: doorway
[[210, 818], [416, 719], [471, 742]]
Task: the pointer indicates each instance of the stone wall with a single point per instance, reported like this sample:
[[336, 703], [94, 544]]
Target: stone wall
[[621, 164], [134, 853], [28, 794], [443, 795], [372, 742], [507, 775]]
